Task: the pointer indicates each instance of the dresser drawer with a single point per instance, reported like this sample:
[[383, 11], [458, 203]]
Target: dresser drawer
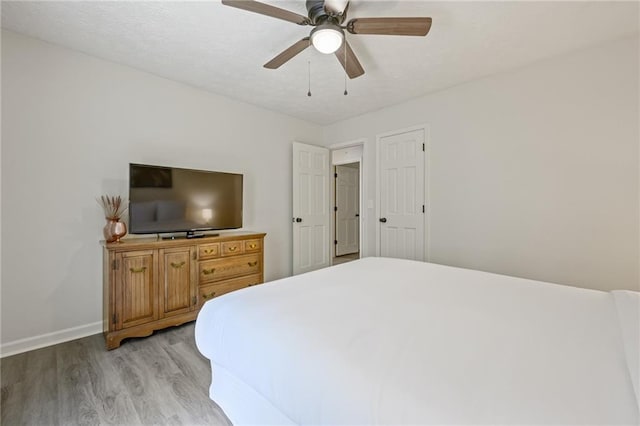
[[209, 291], [208, 251], [231, 267], [251, 246], [230, 248]]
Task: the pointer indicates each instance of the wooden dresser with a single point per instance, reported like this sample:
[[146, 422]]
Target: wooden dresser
[[150, 284]]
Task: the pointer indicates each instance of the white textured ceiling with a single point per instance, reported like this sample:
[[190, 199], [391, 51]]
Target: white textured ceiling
[[222, 49]]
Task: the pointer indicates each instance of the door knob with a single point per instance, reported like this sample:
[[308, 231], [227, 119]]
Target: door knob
[[298, 219], [357, 214], [383, 219]]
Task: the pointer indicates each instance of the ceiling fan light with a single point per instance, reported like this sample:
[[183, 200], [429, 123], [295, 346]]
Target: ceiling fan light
[[327, 40]]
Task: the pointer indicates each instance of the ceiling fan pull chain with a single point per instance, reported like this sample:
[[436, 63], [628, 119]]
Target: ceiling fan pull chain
[[345, 85], [309, 92], [345, 68]]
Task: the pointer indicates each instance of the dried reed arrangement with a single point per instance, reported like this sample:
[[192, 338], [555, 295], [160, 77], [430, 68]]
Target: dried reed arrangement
[[113, 206]]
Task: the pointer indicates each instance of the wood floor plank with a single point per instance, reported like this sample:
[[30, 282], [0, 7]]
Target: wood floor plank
[[115, 405], [12, 369], [159, 380], [207, 410], [39, 388], [150, 404], [191, 365], [11, 404], [76, 402]]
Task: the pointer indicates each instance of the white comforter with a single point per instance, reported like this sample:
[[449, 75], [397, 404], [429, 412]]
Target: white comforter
[[385, 341]]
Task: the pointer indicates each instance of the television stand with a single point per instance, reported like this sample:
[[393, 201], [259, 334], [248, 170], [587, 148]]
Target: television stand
[[151, 284]]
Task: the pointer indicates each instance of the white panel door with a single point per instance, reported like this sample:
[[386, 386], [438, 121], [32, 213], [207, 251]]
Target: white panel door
[[311, 208], [348, 210], [402, 232]]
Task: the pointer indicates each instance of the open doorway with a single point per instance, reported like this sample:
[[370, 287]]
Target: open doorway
[[347, 192], [346, 212]]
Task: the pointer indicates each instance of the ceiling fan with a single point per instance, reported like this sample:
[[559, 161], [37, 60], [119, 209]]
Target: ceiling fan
[[328, 16]]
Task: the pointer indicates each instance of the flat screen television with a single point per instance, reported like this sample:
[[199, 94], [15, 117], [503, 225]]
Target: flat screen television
[[170, 199]]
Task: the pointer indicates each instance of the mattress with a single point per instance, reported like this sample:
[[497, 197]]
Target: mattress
[[389, 341]]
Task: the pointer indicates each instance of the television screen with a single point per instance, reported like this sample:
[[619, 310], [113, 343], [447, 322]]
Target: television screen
[[169, 199]]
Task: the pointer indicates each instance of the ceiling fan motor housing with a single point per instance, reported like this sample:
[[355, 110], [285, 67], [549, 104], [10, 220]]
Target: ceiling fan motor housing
[[318, 15]]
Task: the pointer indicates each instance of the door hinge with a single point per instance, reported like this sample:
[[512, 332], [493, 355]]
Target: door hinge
[[335, 208], [423, 147], [114, 318], [335, 175], [335, 241], [194, 300], [115, 264], [423, 208]]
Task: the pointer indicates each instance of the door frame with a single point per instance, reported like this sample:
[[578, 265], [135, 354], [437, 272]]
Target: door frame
[[363, 216], [427, 171]]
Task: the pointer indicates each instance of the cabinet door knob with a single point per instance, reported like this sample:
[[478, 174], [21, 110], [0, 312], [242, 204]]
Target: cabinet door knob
[[383, 219], [178, 265], [138, 270]]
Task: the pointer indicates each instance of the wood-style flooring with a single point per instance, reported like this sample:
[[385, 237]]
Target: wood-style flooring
[[345, 258], [158, 380]]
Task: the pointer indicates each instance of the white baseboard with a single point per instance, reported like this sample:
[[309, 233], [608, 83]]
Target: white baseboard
[[37, 342]]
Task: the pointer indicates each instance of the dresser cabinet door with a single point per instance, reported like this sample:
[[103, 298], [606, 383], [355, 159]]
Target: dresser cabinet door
[[178, 281], [136, 300]]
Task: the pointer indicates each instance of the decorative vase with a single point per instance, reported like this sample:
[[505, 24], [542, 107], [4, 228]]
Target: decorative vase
[[114, 230]]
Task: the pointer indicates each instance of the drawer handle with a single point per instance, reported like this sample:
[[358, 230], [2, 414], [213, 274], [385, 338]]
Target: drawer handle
[[209, 296], [178, 265], [252, 246], [138, 270], [208, 271], [209, 251], [234, 248], [252, 263]]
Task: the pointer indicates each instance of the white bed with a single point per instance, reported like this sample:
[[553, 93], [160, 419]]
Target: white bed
[[387, 341]]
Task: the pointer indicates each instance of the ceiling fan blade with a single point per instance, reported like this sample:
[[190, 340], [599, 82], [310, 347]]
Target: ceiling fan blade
[[390, 26], [352, 65], [267, 9], [288, 54], [336, 7]]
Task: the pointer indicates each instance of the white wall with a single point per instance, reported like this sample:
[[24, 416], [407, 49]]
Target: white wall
[[533, 173], [71, 123]]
